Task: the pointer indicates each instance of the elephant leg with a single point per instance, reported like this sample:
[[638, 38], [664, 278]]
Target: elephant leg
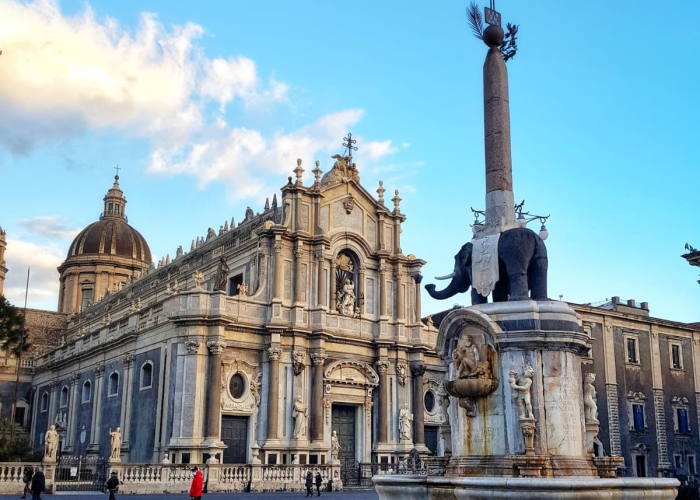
[[518, 286], [538, 278], [477, 298], [500, 293]]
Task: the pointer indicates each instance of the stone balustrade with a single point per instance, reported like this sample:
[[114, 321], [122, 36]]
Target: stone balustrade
[[11, 474]]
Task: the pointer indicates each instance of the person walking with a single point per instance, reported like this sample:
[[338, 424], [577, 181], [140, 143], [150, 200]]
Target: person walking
[[319, 482], [38, 484], [27, 480], [197, 482], [309, 484], [112, 485]]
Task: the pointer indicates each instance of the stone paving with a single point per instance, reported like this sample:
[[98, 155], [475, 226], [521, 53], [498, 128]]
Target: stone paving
[[340, 495]]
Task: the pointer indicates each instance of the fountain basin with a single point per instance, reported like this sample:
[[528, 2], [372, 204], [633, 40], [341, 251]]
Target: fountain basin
[[471, 387], [420, 487]]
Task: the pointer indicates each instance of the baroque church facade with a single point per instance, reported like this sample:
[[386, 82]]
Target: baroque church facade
[[300, 327], [256, 346]]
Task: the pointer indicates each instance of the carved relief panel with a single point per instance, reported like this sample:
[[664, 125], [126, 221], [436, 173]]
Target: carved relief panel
[[240, 386]]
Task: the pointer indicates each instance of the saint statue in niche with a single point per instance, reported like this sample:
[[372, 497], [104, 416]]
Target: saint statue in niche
[[300, 414], [405, 421], [345, 285]]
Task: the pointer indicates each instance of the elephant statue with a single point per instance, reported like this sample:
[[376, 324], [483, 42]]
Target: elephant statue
[[522, 268]]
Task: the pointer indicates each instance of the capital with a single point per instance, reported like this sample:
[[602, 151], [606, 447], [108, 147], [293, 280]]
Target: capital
[[418, 370], [382, 366], [128, 360], [274, 353], [418, 278], [278, 248], [216, 347], [192, 346], [99, 370], [74, 377], [53, 384], [318, 359]]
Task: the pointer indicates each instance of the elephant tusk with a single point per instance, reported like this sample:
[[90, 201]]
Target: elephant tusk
[[446, 277]]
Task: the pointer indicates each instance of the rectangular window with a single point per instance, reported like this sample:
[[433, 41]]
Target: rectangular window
[[109, 210], [678, 461], [632, 350], [638, 414], [676, 356], [233, 284], [691, 464], [682, 416], [87, 298], [640, 465]]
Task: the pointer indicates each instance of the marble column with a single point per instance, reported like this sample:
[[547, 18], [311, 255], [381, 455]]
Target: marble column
[[400, 292], [298, 285], [273, 393], [382, 290], [321, 277], [216, 348], [94, 445], [334, 287], [317, 398], [73, 405], [279, 270], [417, 278], [418, 414], [128, 364], [382, 368]]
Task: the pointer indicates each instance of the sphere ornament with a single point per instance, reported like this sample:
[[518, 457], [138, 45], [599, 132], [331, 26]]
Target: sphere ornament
[[493, 35]]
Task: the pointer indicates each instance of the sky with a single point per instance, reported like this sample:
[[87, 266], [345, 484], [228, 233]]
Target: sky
[[205, 107]]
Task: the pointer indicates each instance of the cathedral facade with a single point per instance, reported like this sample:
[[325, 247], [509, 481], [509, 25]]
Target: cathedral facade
[[264, 343]]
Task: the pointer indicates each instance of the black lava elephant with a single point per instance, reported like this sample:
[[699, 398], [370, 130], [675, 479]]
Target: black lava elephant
[[522, 268]]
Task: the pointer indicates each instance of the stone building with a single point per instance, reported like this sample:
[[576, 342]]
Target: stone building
[[3, 269], [256, 345]]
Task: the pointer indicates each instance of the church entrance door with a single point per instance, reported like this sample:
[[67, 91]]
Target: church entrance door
[[343, 422], [234, 434]]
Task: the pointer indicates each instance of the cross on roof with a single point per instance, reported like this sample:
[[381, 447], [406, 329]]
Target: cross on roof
[[117, 169], [348, 144]]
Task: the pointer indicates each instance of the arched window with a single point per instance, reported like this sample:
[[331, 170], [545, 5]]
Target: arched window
[[64, 397], [113, 384], [347, 291], [45, 401], [86, 392], [147, 375]]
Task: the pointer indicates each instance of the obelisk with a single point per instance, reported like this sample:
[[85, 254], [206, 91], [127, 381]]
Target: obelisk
[[500, 211]]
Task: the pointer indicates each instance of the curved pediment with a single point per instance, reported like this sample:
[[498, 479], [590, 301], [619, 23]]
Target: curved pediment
[[351, 372]]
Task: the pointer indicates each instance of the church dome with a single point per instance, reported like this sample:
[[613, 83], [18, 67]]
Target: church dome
[[111, 236]]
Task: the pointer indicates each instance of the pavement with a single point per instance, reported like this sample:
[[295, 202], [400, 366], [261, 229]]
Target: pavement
[[281, 495]]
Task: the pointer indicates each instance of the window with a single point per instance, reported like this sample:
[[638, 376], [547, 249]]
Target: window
[[147, 375], [678, 461], [109, 210], [682, 419], [45, 401], [87, 298], [64, 397], [638, 417], [85, 398], [640, 465], [429, 401], [676, 358], [632, 353], [116, 209], [236, 386], [691, 464], [113, 384], [233, 284]]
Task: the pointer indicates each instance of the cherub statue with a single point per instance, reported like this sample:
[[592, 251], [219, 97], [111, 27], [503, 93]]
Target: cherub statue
[[589, 399], [521, 393]]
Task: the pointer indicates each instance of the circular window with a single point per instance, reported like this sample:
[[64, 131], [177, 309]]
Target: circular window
[[429, 401], [237, 386]]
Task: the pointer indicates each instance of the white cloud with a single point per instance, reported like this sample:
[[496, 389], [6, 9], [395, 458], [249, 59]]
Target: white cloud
[[43, 278], [61, 75], [377, 149], [244, 159], [50, 226]]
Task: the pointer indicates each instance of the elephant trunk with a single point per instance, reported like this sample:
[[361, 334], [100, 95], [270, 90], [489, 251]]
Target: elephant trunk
[[446, 293]]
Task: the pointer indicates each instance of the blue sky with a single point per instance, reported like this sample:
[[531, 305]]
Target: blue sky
[[206, 106]]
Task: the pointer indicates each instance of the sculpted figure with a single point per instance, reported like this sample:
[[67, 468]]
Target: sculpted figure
[[347, 302], [589, 399], [335, 446], [116, 438], [301, 412], [51, 443], [198, 279], [521, 393], [405, 420]]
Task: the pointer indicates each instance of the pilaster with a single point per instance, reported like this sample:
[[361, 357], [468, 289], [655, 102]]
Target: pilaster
[[274, 354], [613, 419], [318, 361], [128, 364]]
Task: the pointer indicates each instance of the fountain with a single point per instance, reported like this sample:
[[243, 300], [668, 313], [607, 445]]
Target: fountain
[[525, 417]]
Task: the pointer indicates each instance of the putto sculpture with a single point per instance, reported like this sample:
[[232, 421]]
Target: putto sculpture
[[474, 373]]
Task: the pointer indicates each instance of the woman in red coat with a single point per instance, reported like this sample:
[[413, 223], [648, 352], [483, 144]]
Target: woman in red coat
[[196, 488]]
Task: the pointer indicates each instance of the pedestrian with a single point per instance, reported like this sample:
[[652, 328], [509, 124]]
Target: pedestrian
[[319, 481], [27, 480], [112, 485], [197, 481], [309, 484], [38, 484]]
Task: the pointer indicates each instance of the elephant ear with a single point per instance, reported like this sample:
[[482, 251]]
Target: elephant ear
[[466, 254]]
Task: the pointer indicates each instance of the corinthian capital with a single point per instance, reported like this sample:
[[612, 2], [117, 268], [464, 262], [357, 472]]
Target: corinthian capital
[[192, 346], [216, 347], [418, 370], [274, 353], [318, 359], [382, 366]]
